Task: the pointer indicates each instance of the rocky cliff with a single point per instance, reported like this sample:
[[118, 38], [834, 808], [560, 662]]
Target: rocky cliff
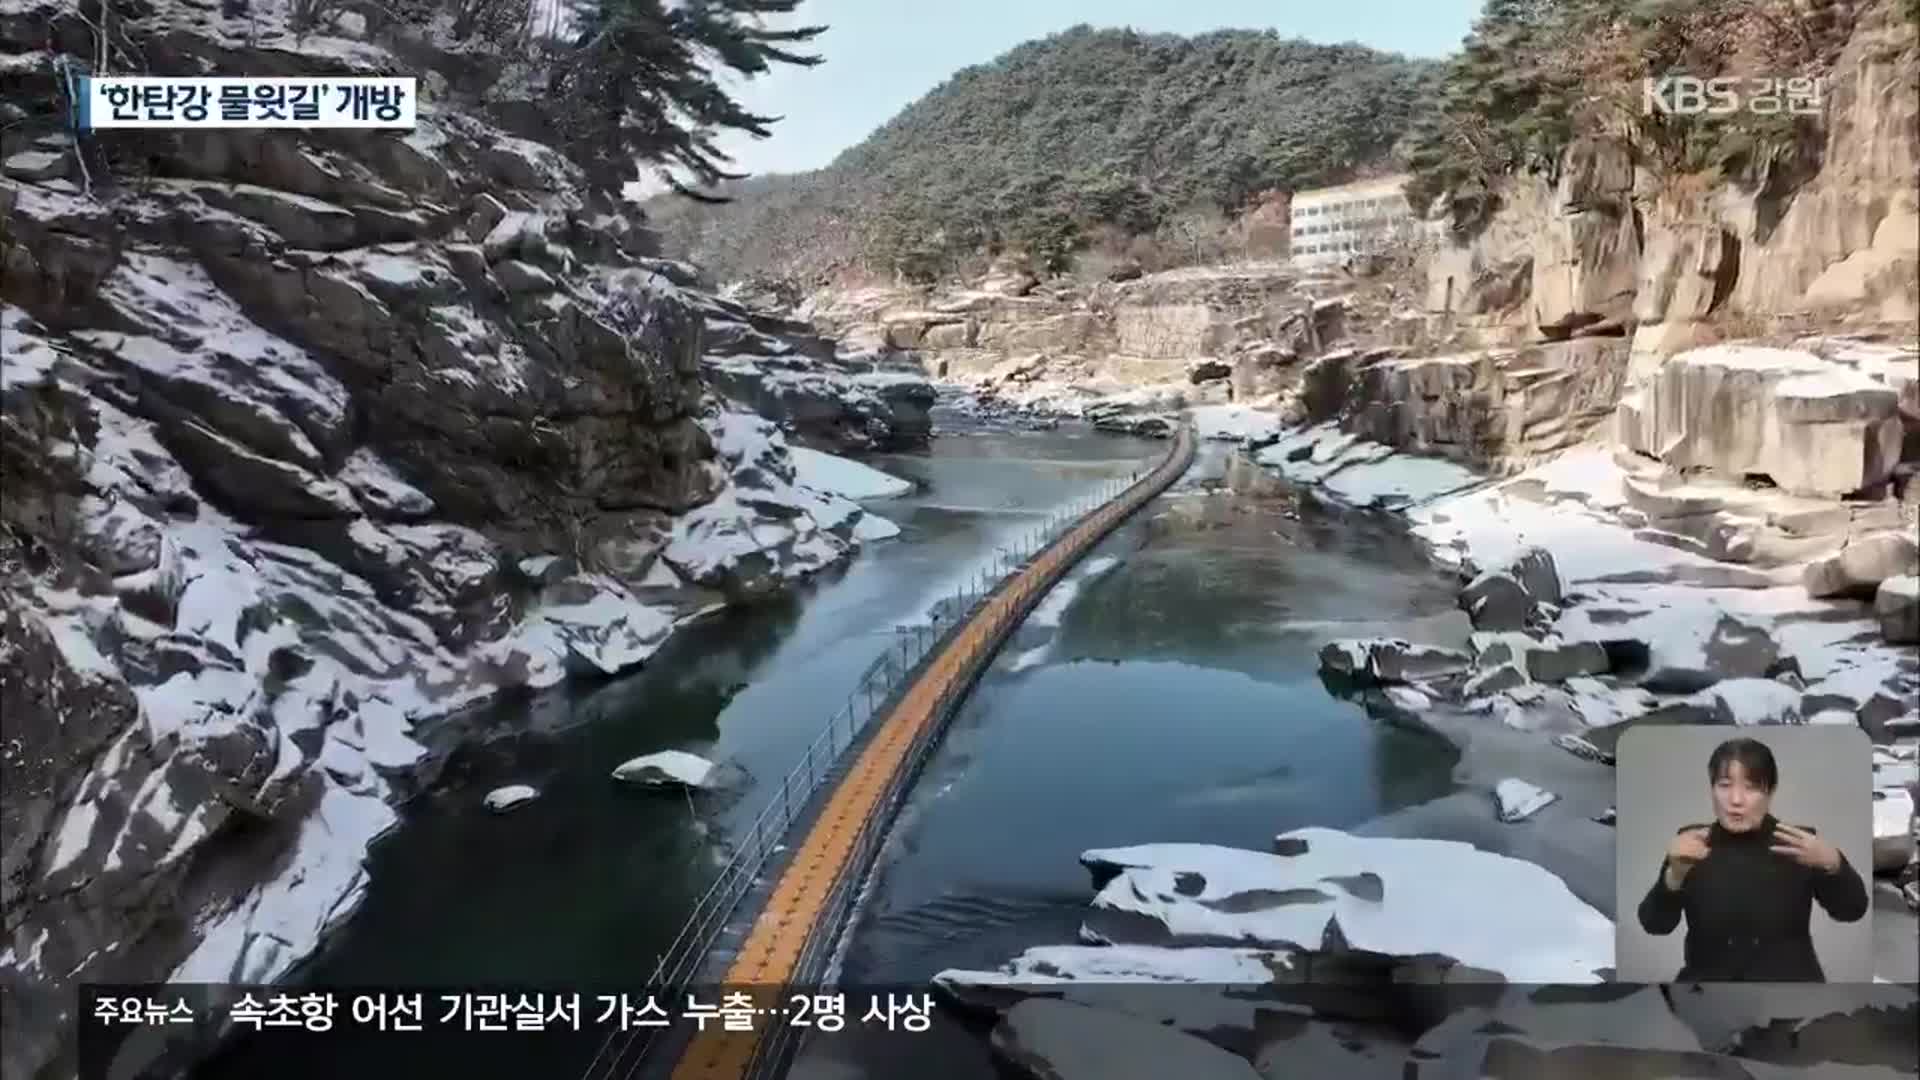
[[1124, 354], [311, 438], [1665, 262], [1510, 344]]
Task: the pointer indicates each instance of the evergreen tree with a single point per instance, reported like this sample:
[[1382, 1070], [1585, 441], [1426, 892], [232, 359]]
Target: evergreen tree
[[640, 82]]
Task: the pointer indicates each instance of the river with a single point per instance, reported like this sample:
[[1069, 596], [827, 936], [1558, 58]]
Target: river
[[1167, 691]]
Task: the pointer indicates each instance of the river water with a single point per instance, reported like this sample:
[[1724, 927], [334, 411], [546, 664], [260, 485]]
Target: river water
[[1166, 692]]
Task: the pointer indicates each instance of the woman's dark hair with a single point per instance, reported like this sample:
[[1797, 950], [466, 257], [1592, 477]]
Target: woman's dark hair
[[1753, 757]]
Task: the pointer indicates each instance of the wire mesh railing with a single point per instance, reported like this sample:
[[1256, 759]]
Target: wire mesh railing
[[622, 1054], [771, 1053]]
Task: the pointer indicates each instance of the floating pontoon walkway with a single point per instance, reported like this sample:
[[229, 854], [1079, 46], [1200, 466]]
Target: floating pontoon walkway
[[806, 906]]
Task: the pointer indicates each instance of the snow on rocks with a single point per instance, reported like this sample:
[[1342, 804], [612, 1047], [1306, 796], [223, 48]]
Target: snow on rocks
[[1858, 568], [1513, 596], [30, 356], [1753, 701], [872, 527], [1408, 699], [1516, 800], [1814, 426], [260, 938], [585, 624], [511, 797], [667, 768], [1691, 637], [1361, 473], [778, 369], [1390, 660], [1548, 508], [1546, 658], [281, 567], [844, 477], [382, 490], [1235, 423], [772, 524], [1399, 897], [1399, 481]]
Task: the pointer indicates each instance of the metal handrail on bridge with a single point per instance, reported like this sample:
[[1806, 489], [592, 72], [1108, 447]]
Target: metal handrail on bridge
[[771, 1053], [898, 669]]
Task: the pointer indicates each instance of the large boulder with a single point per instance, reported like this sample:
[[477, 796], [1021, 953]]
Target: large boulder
[[1327, 890], [1547, 659], [1390, 661], [667, 768], [1859, 568], [1513, 597], [1897, 604], [1812, 426]]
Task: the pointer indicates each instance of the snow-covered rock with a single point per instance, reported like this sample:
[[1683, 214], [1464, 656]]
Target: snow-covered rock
[[1390, 660], [1541, 658], [502, 799], [667, 767], [1814, 426], [285, 427], [1361, 473], [1235, 423], [1860, 567], [1393, 896], [1511, 597], [781, 369], [1516, 800], [844, 477], [1753, 701]]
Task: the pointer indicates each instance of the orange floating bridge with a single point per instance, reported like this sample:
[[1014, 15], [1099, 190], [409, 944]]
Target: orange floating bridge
[[847, 796]]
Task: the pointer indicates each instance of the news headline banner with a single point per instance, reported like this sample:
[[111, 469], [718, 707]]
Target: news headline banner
[[177, 1021], [129, 1031], [321, 1011], [220, 102]]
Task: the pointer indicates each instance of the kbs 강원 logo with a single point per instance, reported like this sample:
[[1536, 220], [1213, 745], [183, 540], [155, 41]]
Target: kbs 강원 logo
[[1689, 95]]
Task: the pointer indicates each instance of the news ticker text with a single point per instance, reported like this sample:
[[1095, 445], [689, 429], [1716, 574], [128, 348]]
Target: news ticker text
[[399, 1011]]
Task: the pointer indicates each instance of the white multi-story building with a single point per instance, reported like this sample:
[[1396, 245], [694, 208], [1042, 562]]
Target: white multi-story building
[[1331, 224]]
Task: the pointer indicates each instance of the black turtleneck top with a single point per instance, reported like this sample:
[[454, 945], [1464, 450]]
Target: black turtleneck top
[[1747, 909]]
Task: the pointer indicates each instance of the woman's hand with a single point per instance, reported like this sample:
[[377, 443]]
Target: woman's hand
[[1686, 850], [1805, 848]]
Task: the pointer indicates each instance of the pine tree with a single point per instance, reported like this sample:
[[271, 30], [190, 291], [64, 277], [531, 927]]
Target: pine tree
[[640, 84]]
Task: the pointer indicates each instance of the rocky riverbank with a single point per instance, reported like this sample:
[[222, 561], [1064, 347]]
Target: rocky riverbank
[[315, 438], [1599, 599], [1125, 355]]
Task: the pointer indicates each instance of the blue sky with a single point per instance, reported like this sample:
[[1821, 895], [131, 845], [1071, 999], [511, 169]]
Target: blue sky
[[883, 54]]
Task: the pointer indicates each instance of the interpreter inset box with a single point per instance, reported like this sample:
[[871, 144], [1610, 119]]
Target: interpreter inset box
[[1744, 854]]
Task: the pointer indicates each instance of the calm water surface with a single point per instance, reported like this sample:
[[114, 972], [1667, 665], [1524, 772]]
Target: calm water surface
[[1168, 692]]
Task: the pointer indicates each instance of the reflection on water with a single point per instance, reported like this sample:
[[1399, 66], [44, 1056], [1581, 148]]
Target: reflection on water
[[1179, 701], [584, 886]]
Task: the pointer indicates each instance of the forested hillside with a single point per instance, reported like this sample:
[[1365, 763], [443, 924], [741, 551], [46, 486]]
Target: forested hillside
[[1089, 137]]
